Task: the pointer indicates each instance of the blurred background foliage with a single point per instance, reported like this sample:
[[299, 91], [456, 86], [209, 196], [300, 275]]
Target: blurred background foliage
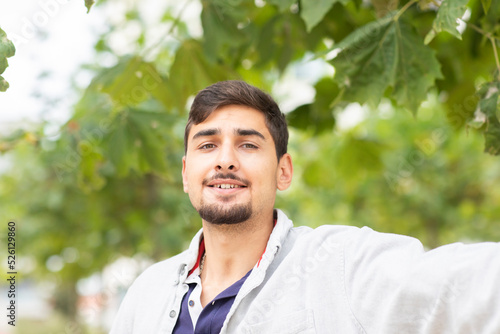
[[408, 160]]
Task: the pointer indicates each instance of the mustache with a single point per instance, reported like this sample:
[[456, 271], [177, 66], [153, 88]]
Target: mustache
[[225, 177]]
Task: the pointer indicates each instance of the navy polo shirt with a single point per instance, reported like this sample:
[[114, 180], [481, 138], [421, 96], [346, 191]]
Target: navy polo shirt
[[212, 316]]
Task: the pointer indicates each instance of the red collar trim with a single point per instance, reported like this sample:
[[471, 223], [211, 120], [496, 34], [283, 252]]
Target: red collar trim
[[201, 250], [258, 263]]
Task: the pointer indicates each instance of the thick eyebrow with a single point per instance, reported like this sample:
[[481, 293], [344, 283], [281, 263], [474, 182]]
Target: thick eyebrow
[[249, 132], [238, 132], [206, 133]]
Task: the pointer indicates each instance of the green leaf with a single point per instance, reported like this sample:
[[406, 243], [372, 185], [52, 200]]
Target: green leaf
[[385, 54], [4, 85], [3, 64], [486, 5], [191, 72], [283, 5], [150, 142], [120, 148], [132, 81], [382, 7], [7, 50], [313, 12], [89, 4], [446, 18], [488, 105], [89, 179], [282, 38], [137, 141], [319, 114], [220, 27], [426, 5]]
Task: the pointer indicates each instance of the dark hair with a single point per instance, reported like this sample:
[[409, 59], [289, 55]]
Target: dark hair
[[234, 92]]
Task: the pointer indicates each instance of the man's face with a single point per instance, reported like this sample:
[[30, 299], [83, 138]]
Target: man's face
[[230, 170]]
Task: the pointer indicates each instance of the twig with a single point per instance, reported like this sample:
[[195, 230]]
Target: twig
[[495, 52], [493, 45], [170, 30], [403, 9]]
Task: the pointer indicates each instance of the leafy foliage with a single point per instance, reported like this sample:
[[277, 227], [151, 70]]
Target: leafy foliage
[[7, 50], [417, 178]]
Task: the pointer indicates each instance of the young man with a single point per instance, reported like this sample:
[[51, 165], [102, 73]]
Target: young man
[[250, 271]]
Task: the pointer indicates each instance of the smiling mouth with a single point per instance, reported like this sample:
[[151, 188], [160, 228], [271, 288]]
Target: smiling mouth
[[226, 186]]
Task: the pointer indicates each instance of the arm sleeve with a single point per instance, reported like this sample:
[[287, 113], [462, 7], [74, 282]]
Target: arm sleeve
[[395, 286]]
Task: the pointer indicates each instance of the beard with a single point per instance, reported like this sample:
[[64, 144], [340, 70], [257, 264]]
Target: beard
[[219, 215]]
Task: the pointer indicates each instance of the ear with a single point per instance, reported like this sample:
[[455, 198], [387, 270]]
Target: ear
[[285, 172], [184, 176]]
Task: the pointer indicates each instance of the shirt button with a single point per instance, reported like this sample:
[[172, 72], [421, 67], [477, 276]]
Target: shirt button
[[172, 314], [191, 303]]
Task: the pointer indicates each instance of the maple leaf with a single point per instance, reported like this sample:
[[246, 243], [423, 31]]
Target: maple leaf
[[385, 54], [132, 81], [446, 19]]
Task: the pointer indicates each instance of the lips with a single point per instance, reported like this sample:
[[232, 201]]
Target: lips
[[225, 181], [226, 186]]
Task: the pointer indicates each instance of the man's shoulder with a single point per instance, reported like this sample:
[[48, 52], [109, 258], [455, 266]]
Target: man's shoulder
[[327, 230], [358, 237]]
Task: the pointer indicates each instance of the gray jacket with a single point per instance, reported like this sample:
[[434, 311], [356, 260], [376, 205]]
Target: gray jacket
[[336, 279]]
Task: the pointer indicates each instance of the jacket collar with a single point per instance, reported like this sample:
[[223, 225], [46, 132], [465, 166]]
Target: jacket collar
[[276, 239]]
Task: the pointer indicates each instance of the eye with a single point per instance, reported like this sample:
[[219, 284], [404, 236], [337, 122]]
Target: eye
[[207, 147], [247, 145]]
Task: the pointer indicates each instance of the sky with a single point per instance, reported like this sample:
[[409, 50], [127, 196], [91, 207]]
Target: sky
[[52, 38]]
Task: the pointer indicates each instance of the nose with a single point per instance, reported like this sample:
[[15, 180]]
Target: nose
[[227, 159]]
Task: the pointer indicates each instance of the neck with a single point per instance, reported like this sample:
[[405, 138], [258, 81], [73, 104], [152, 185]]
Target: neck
[[232, 250]]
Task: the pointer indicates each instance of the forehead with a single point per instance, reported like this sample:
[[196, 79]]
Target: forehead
[[234, 117]]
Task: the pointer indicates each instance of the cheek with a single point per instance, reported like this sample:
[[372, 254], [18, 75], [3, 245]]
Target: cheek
[[266, 175], [197, 168]]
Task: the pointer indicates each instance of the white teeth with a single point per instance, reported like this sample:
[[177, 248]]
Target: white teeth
[[227, 186]]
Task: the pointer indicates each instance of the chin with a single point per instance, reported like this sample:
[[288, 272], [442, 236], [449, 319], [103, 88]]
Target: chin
[[222, 215]]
